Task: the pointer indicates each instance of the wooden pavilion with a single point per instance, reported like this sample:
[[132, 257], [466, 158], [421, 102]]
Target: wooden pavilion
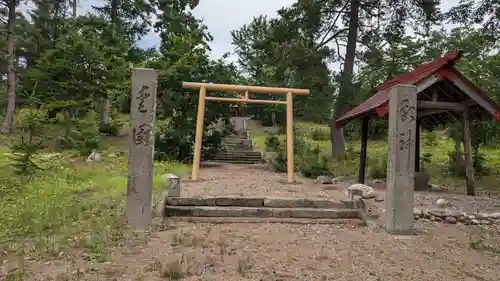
[[444, 96]]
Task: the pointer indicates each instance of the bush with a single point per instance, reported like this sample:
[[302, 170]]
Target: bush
[[456, 164], [320, 134], [308, 161], [378, 168], [112, 128], [30, 122], [272, 143], [314, 164]]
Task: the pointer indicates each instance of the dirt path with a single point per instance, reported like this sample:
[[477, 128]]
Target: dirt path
[[271, 252]]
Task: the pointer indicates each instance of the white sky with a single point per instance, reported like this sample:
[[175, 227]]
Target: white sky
[[222, 16]]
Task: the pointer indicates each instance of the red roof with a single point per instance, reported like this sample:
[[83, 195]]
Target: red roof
[[381, 95]]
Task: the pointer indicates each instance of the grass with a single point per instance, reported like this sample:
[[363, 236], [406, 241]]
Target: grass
[[377, 150], [68, 204]]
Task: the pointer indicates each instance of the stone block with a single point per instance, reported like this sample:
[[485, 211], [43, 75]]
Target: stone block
[[240, 201]]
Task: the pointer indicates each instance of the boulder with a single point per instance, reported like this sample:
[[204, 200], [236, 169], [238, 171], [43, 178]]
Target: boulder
[[323, 180], [363, 190]]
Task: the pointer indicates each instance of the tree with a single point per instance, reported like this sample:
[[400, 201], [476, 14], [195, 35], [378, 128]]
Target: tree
[[11, 66]]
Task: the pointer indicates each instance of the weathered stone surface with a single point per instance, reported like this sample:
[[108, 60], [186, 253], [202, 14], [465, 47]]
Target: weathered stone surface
[[451, 220], [240, 201], [172, 183], [300, 203], [257, 212], [363, 190], [282, 213], [191, 201], [442, 203], [400, 161], [323, 180], [261, 212]]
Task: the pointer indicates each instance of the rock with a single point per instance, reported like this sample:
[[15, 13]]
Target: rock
[[417, 212], [451, 220], [380, 198], [485, 222], [377, 181], [455, 213], [474, 221], [495, 216], [338, 179], [438, 213], [483, 216], [94, 157], [358, 189], [112, 155], [433, 186], [172, 183], [442, 203], [323, 180]]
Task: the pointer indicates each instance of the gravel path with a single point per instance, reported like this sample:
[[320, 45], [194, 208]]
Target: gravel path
[[272, 252]]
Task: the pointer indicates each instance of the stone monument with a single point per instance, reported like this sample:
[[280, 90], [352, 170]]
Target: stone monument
[[401, 155], [140, 158]]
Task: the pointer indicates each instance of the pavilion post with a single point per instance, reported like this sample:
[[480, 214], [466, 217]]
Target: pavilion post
[[417, 147], [364, 146], [469, 168], [195, 173]]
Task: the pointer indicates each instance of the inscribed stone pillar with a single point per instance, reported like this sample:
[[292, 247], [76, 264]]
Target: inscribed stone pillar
[[401, 159], [141, 148]]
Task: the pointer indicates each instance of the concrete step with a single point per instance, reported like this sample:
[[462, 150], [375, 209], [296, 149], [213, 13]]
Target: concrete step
[[259, 212], [239, 161], [255, 201], [231, 157], [237, 153]]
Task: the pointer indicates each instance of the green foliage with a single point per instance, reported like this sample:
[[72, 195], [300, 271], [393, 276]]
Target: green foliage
[[111, 128], [378, 167], [314, 164], [30, 122], [308, 160], [456, 164], [272, 143]]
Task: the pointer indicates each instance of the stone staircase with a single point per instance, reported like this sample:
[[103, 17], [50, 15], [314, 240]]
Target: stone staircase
[[281, 209], [238, 149]]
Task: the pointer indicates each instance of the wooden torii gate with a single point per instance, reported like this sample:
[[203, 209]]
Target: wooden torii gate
[[243, 98]]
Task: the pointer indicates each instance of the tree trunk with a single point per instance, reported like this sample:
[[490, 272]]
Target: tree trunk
[[11, 70], [345, 91], [105, 109], [74, 5]]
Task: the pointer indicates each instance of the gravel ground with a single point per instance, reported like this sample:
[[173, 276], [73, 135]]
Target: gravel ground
[[271, 252]]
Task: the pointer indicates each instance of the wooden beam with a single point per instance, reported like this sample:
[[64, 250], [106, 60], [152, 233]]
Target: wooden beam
[[427, 112], [195, 173], [440, 105], [244, 88], [364, 145], [469, 166], [474, 95], [245, 100], [289, 138]]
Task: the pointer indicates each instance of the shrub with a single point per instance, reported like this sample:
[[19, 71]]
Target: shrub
[[378, 168], [30, 122], [314, 164], [112, 128], [272, 143], [456, 164], [320, 134]]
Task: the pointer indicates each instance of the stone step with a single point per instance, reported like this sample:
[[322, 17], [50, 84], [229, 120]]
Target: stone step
[[252, 201], [237, 146], [260, 212], [239, 153], [232, 220], [239, 161]]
